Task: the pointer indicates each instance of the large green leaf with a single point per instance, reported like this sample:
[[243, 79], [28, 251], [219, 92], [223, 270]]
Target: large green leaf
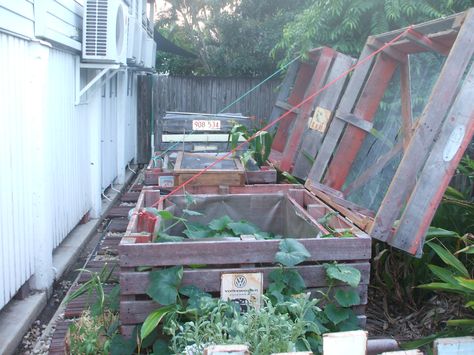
[[153, 319], [443, 274], [461, 323], [164, 283], [242, 227], [166, 215], [161, 347], [166, 238], [197, 231], [440, 286], [336, 314], [466, 282], [122, 346], [219, 224], [343, 273], [440, 232], [289, 278], [347, 298], [449, 258], [291, 252]]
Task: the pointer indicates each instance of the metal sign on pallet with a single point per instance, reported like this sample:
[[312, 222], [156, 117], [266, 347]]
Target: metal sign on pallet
[[206, 125], [245, 289]]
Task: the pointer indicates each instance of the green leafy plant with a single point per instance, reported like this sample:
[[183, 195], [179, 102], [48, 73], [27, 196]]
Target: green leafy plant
[[288, 320], [93, 332], [259, 148]]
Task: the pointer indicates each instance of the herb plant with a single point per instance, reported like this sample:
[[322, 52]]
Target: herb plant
[[259, 148]]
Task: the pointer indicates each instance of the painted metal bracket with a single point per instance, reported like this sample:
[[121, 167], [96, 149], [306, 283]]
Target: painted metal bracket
[[109, 69]]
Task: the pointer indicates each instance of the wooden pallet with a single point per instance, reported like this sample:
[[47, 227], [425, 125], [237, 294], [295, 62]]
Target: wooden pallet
[[224, 256]]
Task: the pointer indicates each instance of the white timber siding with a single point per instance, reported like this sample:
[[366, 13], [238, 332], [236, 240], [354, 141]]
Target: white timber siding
[[17, 179], [56, 156]]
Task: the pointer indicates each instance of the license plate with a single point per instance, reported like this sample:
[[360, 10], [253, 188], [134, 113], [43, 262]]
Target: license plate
[[206, 125]]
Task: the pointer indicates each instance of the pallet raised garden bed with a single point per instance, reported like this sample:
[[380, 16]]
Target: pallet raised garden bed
[[229, 172], [288, 210]]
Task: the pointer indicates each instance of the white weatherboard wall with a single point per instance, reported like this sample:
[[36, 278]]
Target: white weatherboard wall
[[16, 178], [56, 151]]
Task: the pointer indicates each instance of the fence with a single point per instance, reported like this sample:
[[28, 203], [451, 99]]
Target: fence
[[210, 95]]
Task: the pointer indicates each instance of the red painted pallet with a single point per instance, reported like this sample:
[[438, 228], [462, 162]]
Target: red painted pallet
[[300, 132], [400, 130]]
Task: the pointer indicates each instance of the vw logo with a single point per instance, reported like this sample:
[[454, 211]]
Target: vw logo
[[240, 281]]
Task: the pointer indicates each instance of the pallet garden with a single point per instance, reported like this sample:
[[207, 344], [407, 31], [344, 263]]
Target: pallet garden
[[362, 145]]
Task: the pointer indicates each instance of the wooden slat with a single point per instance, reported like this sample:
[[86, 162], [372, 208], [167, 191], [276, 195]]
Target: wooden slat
[[437, 172], [286, 107], [407, 120], [390, 51], [337, 126], [118, 225], [426, 42], [318, 79], [209, 280], [130, 197], [366, 107], [238, 252], [438, 105], [329, 98], [135, 312], [58, 345], [302, 80], [119, 211], [284, 92], [355, 121]]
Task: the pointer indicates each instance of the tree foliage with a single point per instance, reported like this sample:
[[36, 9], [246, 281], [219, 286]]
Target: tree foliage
[[346, 24], [229, 37]]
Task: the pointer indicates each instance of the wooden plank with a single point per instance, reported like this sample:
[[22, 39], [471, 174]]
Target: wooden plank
[[426, 42], [318, 79], [390, 51], [265, 175], [431, 119], [352, 342], [355, 121], [209, 280], [407, 120], [297, 95], [329, 98], [438, 171], [119, 212], [286, 107], [238, 252], [143, 120], [284, 92], [135, 312], [337, 126], [366, 107]]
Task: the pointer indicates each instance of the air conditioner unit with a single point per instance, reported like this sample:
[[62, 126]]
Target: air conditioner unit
[[137, 42], [144, 47], [105, 31], [131, 54]]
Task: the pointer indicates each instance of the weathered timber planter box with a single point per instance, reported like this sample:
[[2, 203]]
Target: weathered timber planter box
[[289, 210], [230, 172]]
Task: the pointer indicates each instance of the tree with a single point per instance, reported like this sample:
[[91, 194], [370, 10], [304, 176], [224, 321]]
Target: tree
[[230, 37], [346, 24]]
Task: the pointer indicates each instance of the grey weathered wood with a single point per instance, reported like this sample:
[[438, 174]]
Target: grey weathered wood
[[211, 95], [238, 252], [135, 312], [284, 92], [437, 172], [355, 121], [430, 122], [329, 98], [209, 280], [337, 126], [144, 110]]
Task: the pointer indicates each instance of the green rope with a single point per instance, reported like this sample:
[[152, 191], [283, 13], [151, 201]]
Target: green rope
[[235, 101]]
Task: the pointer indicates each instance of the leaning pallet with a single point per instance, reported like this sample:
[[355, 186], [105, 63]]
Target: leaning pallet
[[288, 210]]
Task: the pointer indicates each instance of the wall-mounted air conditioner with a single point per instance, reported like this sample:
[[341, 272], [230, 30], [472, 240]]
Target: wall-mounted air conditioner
[[137, 42], [144, 47], [105, 31], [131, 54]]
